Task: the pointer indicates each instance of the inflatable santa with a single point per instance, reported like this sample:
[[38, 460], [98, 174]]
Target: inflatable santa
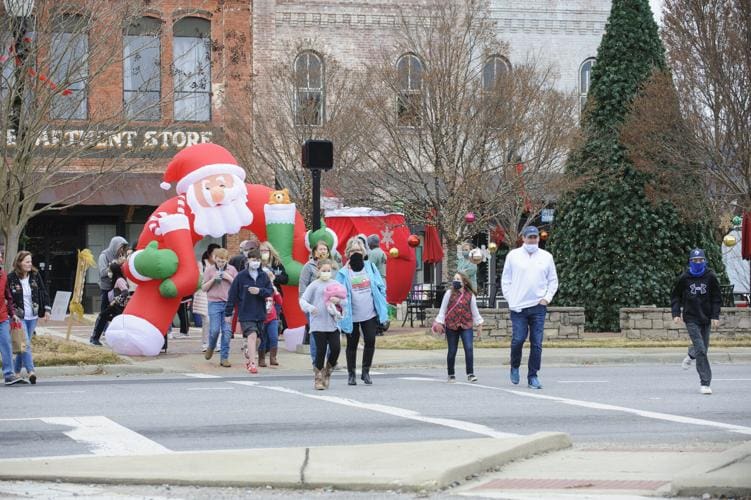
[[211, 201]]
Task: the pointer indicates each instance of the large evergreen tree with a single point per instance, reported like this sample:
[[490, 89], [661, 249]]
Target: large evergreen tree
[[613, 246]]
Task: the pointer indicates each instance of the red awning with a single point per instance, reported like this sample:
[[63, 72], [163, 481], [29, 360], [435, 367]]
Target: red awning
[[433, 251]]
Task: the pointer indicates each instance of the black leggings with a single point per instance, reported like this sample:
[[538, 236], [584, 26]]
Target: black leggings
[[369, 330], [325, 340]]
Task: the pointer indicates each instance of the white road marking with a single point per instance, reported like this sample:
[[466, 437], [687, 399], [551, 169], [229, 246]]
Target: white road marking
[[389, 410], [201, 375], [731, 379], [107, 438], [54, 392], [582, 381], [211, 388], [607, 407]]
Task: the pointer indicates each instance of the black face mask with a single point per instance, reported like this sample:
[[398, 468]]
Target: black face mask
[[456, 284], [356, 262]]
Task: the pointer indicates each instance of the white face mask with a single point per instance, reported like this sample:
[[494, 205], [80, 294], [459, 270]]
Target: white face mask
[[265, 255], [325, 275], [530, 247], [254, 264]]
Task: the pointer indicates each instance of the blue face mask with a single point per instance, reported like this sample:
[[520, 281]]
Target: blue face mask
[[697, 268]]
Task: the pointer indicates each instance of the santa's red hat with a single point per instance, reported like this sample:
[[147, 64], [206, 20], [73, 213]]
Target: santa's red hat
[[198, 161]]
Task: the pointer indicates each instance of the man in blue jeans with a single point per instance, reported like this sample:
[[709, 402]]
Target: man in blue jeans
[[529, 282]]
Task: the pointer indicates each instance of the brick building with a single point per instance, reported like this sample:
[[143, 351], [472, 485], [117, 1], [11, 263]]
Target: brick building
[[192, 54]]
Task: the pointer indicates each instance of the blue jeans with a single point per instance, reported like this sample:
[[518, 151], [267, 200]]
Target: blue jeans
[[217, 323], [24, 359], [270, 336], [6, 349], [529, 321], [452, 338]]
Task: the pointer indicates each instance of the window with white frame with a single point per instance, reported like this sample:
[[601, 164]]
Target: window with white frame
[[309, 98], [495, 68], [142, 70], [409, 100], [585, 76], [70, 52], [191, 69]]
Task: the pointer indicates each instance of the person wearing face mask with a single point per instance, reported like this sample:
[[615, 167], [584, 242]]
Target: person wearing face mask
[[465, 266], [456, 316], [308, 273], [217, 280], [240, 262], [365, 309], [323, 325], [270, 260], [697, 295], [249, 291], [529, 282]]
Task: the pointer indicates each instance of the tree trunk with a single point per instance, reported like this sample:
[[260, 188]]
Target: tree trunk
[[12, 234]]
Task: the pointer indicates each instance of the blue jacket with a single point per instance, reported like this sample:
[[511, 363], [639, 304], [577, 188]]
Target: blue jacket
[[249, 307], [377, 289]]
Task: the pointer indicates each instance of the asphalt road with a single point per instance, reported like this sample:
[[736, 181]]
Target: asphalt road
[[598, 406]]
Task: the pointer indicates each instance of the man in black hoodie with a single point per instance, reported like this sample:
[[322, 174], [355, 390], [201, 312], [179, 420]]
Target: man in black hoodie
[[697, 293]]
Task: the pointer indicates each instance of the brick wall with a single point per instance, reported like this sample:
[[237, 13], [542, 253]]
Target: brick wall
[[657, 323], [560, 322]]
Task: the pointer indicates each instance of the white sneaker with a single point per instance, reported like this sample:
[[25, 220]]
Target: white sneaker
[[204, 347], [705, 389], [451, 379], [687, 362]]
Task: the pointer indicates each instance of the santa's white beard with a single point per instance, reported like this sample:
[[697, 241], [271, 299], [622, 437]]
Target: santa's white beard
[[219, 220]]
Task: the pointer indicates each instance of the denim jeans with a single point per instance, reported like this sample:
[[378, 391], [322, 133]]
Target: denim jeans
[[24, 359], [6, 349], [270, 336], [452, 338], [101, 321], [699, 346], [529, 321], [217, 324]]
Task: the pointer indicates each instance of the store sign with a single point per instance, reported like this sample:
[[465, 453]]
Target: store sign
[[133, 142], [547, 215]]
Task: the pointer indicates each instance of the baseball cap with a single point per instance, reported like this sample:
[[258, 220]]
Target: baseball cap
[[697, 253], [530, 231]]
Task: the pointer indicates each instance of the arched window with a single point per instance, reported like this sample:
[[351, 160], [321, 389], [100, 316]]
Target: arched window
[[585, 75], [494, 69], [309, 104], [70, 48], [409, 101], [192, 69], [142, 70]]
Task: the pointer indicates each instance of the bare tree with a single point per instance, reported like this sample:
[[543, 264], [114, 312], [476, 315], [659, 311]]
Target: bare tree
[[708, 45], [58, 128], [305, 95], [453, 120]]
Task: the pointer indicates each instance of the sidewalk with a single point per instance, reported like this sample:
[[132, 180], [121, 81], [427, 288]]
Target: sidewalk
[[184, 356]]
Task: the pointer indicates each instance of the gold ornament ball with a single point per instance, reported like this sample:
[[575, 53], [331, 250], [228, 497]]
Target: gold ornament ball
[[729, 240], [394, 252], [492, 247]]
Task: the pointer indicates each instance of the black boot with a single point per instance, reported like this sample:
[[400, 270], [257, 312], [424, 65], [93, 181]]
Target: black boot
[[351, 378], [366, 376]]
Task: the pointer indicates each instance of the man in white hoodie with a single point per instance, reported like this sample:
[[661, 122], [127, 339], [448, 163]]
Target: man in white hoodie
[[529, 282]]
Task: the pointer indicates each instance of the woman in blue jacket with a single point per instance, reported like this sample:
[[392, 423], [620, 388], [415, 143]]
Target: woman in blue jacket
[[365, 308]]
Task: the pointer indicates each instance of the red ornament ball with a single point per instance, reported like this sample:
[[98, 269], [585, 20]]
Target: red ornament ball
[[413, 241], [470, 217]]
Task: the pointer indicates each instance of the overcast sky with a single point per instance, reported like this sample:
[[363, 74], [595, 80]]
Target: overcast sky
[[656, 9]]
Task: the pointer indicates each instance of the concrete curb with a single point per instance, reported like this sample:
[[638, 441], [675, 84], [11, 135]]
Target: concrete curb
[[427, 465], [74, 371], [727, 474]]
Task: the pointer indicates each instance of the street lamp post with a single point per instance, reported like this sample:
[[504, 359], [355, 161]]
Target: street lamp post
[[20, 10]]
